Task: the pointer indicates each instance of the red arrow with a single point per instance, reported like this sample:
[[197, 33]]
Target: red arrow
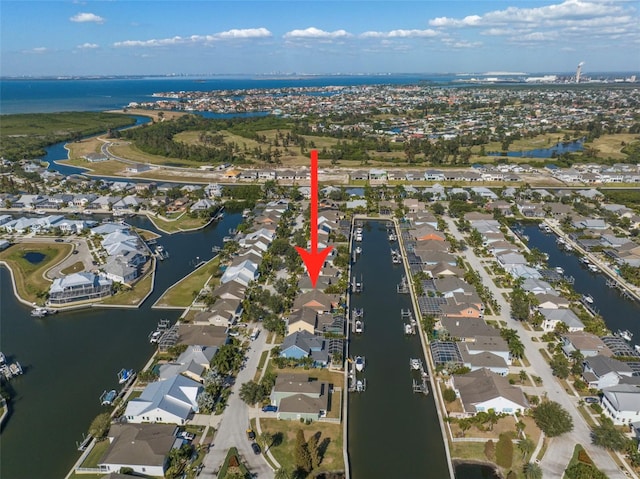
[[314, 259]]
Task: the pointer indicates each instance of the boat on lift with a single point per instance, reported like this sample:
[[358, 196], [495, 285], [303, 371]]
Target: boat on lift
[[358, 250], [359, 362], [626, 334], [587, 298], [359, 326], [415, 363], [107, 397], [124, 375]]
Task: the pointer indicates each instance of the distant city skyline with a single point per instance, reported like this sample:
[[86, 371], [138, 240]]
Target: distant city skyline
[[78, 38]]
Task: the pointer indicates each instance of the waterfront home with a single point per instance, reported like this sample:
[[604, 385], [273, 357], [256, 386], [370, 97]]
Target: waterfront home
[[538, 286], [230, 290], [552, 317], [442, 269], [426, 233], [144, 448], [213, 190], [482, 390], [590, 223], [203, 205], [460, 310], [493, 348], [299, 398], [601, 371], [421, 218], [242, 273], [552, 301], [508, 260], [79, 287], [172, 401], [303, 344], [303, 319], [118, 270], [467, 329], [317, 300], [193, 363], [588, 344], [448, 286], [622, 403], [322, 283], [202, 334]]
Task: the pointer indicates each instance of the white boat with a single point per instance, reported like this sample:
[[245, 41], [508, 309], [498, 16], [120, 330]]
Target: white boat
[[415, 363], [637, 348], [360, 386], [359, 363], [107, 397], [626, 334], [3, 359], [39, 312], [408, 329], [40, 212], [358, 231], [359, 326], [593, 268], [560, 241], [359, 237], [559, 270], [392, 237], [87, 212], [124, 375], [15, 368], [587, 298], [358, 250], [155, 336]]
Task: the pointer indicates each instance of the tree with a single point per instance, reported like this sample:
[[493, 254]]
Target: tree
[[552, 418], [532, 471], [100, 425], [449, 395], [559, 365], [282, 473], [504, 451], [526, 447], [301, 453], [251, 392], [608, 436], [265, 440], [314, 450], [490, 450], [523, 376]]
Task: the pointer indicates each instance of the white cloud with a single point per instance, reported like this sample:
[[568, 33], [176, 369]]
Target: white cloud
[[88, 46], [37, 50], [313, 32], [234, 34], [87, 17], [245, 33], [429, 33]]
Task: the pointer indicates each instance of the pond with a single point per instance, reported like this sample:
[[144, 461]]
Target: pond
[[34, 257], [554, 151]]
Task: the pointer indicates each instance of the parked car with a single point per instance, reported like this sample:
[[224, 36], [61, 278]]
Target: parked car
[[251, 435], [256, 448], [59, 240], [591, 400], [189, 436], [270, 408]]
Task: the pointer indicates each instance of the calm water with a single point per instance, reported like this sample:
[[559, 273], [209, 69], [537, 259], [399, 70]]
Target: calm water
[[393, 432], [31, 96], [556, 150], [70, 358], [33, 257], [617, 312]]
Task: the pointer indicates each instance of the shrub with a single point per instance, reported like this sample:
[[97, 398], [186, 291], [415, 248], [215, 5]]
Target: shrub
[[584, 457], [504, 451], [580, 470], [449, 395], [490, 450]]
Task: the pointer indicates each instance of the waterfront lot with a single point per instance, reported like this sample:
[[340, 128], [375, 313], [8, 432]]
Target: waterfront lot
[[180, 295], [30, 282], [284, 434], [183, 222], [132, 296]]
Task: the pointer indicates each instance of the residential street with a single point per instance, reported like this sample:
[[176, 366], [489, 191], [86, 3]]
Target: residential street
[[235, 422], [560, 450]]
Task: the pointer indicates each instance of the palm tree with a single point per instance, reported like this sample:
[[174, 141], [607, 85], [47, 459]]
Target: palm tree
[[526, 446], [265, 439], [532, 471]]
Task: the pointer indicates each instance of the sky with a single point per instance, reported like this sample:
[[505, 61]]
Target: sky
[[131, 37]]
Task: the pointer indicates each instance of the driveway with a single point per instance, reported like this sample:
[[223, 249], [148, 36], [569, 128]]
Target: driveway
[[560, 449], [235, 421]]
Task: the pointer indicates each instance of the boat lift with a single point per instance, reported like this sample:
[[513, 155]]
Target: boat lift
[[357, 286], [403, 287]]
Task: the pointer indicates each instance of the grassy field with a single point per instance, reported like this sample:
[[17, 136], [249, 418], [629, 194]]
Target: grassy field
[[74, 268], [133, 296], [106, 168], [609, 146], [181, 293], [131, 152], [30, 282], [182, 223], [78, 149], [285, 434]]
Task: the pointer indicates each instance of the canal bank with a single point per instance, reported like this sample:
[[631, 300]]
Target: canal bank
[[392, 431], [70, 359]]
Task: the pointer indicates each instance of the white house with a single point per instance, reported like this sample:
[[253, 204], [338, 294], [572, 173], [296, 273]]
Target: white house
[[622, 403], [601, 372], [482, 390], [554, 316], [242, 273], [170, 401]]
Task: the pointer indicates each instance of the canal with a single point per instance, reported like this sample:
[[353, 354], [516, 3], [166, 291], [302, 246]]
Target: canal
[[617, 311], [70, 358], [392, 431]]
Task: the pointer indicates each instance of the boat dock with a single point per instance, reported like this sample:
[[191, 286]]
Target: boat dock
[[357, 322], [396, 257], [587, 302], [357, 286], [403, 287], [355, 384], [9, 370], [420, 379], [410, 324], [161, 329], [161, 253]]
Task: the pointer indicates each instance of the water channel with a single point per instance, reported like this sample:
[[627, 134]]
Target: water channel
[[70, 358], [393, 432], [617, 311], [556, 150]]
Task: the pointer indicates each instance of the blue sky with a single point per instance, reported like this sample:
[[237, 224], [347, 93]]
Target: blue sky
[[246, 37]]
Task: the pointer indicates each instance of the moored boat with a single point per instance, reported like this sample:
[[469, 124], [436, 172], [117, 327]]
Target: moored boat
[[359, 326], [359, 362], [124, 375], [415, 363], [107, 397], [626, 334]]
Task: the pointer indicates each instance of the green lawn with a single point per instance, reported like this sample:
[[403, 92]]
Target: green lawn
[[96, 454], [285, 434], [184, 222], [134, 295], [30, 282], [181, 294], [74, 268]]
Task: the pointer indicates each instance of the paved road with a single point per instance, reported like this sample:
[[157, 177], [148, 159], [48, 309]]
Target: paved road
[[235, 421], [560, 449]]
